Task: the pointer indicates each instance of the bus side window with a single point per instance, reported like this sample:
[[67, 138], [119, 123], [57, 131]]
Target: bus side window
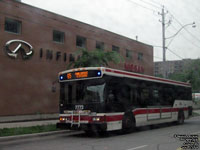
[[166, 97], [156, 100], [144, 97], [134, 97], [124, 94]]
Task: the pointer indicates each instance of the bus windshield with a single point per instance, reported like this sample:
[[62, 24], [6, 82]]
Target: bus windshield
[[83, 91]]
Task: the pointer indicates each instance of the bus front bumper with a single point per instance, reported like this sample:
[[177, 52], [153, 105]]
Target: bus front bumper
[[89, 126]]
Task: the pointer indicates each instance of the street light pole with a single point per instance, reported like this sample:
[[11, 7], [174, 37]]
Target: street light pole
[[164, 39], [193, 25]]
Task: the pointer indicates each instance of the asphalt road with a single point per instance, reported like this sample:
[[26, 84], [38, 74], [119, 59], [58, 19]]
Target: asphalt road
[[159, 138]]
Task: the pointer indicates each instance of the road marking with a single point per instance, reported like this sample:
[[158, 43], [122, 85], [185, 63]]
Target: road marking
[[137, 147]]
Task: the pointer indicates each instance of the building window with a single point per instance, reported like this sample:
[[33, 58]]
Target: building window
[[81, 41], [71, 58], [13, 26], [115, 48], [140, 56], [99, 45], [129, 54], [58, 36]]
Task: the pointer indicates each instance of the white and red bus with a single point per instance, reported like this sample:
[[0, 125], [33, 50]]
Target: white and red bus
[[105, 99]]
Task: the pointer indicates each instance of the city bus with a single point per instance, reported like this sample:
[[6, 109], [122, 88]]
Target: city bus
[[103, 99]]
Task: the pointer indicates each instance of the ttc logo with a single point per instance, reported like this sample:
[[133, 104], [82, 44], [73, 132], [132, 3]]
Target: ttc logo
[[14, 46]]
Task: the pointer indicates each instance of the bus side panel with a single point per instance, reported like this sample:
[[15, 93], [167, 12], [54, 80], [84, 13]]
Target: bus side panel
[[114, 121], [114, 125], [184, 105], [140, 116]]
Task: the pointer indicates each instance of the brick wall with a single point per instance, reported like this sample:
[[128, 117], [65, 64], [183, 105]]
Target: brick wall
[[25, 85]]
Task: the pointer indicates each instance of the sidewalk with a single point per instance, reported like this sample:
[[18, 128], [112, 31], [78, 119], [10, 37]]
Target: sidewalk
[[197, 111], [30, 123]]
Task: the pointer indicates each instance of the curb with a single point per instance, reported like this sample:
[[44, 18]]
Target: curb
[[25, 136]]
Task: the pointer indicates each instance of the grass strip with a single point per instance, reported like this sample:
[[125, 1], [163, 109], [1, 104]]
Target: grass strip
[[27, 130], [194, 114]]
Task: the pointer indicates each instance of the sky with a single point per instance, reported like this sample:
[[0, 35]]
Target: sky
[[140, 18]]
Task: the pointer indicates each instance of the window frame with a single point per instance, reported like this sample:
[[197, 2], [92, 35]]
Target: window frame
[[83, 40], [101, 45], [140, 56], [62, 36], [116, 49], [18, 23], [129, 54]]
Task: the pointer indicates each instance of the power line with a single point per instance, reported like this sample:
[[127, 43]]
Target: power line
[[142, 6], [156, 3], [175, 53], [150, 4]]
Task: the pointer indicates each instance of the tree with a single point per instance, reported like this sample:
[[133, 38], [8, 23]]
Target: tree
[[190, 74], [193, 74], [95, 58]]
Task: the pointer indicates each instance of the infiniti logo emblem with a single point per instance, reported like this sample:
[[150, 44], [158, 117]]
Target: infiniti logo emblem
[[14, 46]]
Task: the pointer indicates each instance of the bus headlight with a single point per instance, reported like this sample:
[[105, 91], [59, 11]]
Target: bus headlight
[[97, 119], [62, 119]]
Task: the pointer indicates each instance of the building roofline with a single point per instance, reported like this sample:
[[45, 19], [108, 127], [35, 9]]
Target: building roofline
[[59, 15]]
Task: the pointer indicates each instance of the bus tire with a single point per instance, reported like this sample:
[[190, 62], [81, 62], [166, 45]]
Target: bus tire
[[128, 123], [181, 117], [190, 109]]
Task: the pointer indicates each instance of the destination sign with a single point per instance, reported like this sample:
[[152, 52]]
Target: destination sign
[[80, 75]]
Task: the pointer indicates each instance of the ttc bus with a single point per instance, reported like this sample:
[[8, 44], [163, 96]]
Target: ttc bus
[[105, 99]]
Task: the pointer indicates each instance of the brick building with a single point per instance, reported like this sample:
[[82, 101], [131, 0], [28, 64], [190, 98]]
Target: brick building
[[48, 45]]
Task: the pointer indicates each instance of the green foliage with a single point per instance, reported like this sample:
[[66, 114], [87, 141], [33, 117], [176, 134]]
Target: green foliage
[[191, 73], [95, 58], [178, 77], [27, 130], [159, 75]]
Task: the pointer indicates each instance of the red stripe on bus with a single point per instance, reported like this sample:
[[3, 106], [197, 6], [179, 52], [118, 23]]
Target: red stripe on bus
[[166, 109], [156, 110], [147, 77], [107, 118], [152, 111], [114, 118], [140, 111], [82, 118]]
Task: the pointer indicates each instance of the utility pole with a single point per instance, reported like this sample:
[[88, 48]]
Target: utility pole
[[163, 34], [163, 41]]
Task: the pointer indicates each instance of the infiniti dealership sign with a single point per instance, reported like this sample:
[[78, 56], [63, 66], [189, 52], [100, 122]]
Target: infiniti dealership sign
[[13, 47]]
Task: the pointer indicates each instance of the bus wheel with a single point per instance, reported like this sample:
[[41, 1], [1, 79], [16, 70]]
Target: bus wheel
[[128, 123], [181, 117]]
